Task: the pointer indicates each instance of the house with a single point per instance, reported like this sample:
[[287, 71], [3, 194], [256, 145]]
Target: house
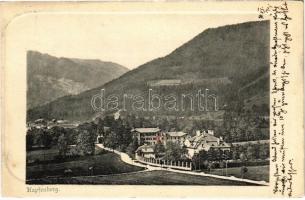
[[177, 137], [148, 136], [65, 124], [164, 82], [40, 121], [39, 124], [205, 141], [146, 151]]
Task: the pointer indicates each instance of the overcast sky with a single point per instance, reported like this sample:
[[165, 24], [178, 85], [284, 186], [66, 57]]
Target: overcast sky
[[127, 39]]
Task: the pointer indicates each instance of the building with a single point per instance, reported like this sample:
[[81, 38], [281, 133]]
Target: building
[[146, 151], [67, 125], [205, 141], [38, 124], [164, 82], [177, 137], [148, 136]]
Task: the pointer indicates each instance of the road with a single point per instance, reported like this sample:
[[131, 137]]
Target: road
[[125, 158]]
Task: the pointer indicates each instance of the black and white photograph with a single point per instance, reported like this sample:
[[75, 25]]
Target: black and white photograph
[[148, 99], [152, 99]]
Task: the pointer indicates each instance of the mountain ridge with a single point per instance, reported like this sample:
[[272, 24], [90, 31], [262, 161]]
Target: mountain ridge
[[238, 52], [50, 77]]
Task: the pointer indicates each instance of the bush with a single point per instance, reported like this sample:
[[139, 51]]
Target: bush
[[250, 163]]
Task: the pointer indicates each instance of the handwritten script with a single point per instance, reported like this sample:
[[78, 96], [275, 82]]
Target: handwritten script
[[280, 75]]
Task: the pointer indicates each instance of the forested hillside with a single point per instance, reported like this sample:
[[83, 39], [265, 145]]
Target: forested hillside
[[231, 61]]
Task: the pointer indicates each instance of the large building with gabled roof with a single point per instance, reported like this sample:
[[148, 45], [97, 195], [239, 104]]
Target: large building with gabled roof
[[148, 136], [205, 141]]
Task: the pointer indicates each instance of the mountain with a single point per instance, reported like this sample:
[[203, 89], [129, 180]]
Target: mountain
[[231, 61], [49, 77]]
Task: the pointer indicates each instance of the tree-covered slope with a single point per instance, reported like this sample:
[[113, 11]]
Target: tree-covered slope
[[232, 61]]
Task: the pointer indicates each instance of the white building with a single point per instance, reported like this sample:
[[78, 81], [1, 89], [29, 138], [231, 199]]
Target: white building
[[177, 137], [205, 141], [148, 136], [146, 151]]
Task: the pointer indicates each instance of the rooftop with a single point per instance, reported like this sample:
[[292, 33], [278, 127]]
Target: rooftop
[[146, 149], [147, 130], [164, 82], [176, 134], [209, 139]]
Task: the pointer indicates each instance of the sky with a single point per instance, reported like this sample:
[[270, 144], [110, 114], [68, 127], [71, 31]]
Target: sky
[[127, 39]]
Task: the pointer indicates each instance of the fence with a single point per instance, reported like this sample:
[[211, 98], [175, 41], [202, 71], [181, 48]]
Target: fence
[[184, 165]]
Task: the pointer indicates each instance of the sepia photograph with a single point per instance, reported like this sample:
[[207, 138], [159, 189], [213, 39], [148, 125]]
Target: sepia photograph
[[153, 99], [185, 105]]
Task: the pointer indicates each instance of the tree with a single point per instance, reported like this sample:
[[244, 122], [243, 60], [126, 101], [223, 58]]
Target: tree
[[159, 149], [210, 166], [132, 147], [211, 154], [203, 155], [218, 154], [124, 135], [200, 160], [263, 151], [46, 139], [250, 154], [62, 145], [56, 131], [242, 157], [235, 154], [111, 140], [29, 141], [173, 151], [100, 127], [108, 120], [85, 143], [165, 124], [174, 124]]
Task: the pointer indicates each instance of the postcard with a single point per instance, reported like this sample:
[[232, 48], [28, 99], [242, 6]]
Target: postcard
[[152, 99]]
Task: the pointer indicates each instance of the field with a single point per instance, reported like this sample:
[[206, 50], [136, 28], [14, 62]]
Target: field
[[106, 163], [107, 168], [141, 178], [42, 154], [257, 173]]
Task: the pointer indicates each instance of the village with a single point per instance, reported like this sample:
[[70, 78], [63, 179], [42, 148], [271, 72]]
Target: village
[[151, 138], [61, 141], [148, 139], [153, 141]]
